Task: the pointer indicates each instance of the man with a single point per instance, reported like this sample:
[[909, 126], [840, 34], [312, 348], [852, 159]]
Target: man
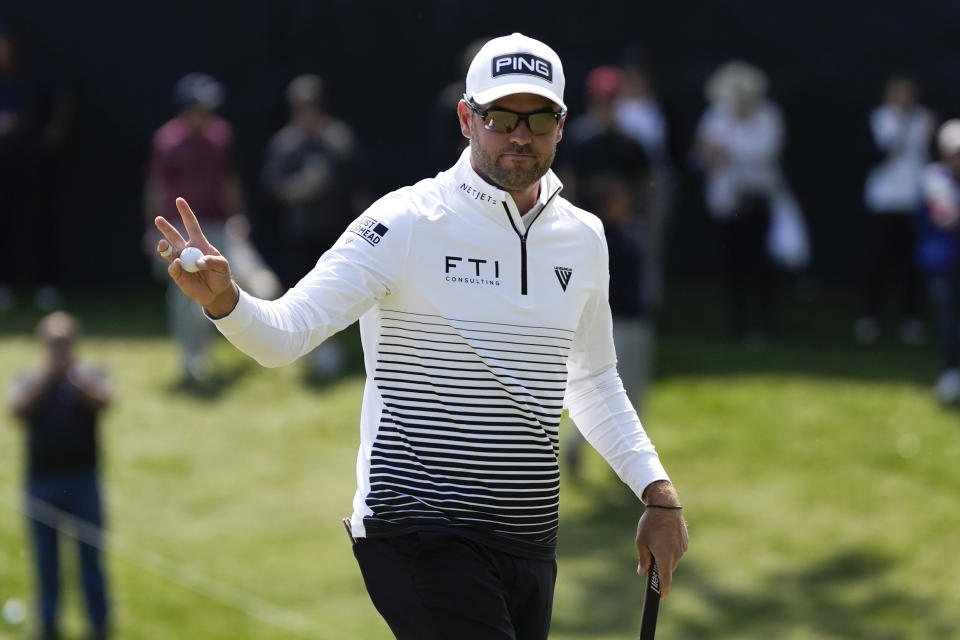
[[611, 173], [938, 251], [901, 130], [482, 298], [311, 174], [60, 405], [193, 154]]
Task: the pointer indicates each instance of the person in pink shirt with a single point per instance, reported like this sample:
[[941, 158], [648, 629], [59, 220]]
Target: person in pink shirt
[[191, 156]]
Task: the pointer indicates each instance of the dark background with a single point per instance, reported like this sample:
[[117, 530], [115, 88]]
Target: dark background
[[385, 63]]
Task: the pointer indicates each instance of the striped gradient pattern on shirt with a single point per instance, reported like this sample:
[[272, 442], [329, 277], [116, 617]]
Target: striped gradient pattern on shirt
[[469, 431]]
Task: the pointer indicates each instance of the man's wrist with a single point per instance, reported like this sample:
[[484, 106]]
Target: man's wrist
[[225, 303], [661, 492]]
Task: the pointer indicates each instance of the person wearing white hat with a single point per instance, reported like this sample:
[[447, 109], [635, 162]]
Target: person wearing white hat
[[938, 251], [482, 300]]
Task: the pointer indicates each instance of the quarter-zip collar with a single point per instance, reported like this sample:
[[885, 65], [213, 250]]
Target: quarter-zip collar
[[494, 201], [481, 196]]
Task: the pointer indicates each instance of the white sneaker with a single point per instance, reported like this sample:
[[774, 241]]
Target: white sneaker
[[948, 386]]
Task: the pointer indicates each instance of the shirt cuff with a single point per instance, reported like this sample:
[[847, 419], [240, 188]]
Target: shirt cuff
[[643, 472], [237, 320]]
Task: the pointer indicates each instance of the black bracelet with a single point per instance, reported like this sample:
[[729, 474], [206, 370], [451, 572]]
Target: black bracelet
[[663, 506]]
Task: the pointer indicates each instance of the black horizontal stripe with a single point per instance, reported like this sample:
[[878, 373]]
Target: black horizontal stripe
[[531, 506], [462, 378], [470, 405], [390, 426], [542, 460], [509, 442], [431, 389], [404, 419], [469, 474], [431, 482], [470, 340], [495, 324], [516, 521], [473, 349], [487, 375], [507, 417], [472, 367], [436, 459], [497, 386], [463, 330], [473, 358], [417, 478]]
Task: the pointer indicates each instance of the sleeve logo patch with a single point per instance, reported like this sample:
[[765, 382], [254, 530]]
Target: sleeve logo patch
[[369, 229]]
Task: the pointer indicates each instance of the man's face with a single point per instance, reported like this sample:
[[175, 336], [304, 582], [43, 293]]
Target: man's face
[[513, 161]]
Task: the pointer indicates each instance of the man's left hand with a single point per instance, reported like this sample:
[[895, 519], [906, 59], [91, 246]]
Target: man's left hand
[[661, 534]]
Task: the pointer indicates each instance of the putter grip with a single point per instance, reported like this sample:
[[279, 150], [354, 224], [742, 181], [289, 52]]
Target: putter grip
[[651, 603]]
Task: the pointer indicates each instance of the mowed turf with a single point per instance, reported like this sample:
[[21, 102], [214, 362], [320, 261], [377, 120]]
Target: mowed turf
[[820, 483]]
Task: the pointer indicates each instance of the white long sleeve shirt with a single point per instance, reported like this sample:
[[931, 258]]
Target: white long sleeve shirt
[[753, 144], [894, 185], [477, 330]]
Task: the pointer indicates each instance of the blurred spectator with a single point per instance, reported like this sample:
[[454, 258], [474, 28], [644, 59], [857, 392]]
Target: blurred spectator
[[60, 404], [446, 142], [901, 130], [192, 157], [312, 173], [738, 144], [937, 251], [596, 148], [611, 176], [36, 113], [639, 115]]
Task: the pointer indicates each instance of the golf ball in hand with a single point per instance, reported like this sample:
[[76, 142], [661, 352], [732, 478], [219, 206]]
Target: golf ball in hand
[[189, 257]]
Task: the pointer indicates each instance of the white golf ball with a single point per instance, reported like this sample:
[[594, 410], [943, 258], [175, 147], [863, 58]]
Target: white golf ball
[[14, 612], [189, 257]]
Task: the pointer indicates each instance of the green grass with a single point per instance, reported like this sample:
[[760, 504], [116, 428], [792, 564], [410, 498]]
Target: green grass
[[820, 482]]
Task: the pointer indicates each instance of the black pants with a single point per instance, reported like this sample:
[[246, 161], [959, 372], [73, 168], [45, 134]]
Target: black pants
[[751, 280], [440, 586], [892, 264]]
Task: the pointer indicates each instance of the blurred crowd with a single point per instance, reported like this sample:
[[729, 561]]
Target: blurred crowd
[[619, 159]]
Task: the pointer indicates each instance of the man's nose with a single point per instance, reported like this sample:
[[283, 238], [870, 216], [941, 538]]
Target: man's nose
[[521, 134]]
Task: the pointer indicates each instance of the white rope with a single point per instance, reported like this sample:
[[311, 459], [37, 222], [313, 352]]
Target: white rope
[[178, 574]]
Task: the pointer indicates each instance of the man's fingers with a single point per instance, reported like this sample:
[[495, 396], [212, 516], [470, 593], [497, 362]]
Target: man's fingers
[[165, 250], [189, 220], [212, 263], [643, 560], [666, 578], [170, 234]]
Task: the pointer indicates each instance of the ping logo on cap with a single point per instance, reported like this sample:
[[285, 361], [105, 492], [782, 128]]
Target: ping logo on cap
[[523, 64]]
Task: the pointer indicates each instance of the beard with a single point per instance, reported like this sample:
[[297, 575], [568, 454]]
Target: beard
[[506, 174]]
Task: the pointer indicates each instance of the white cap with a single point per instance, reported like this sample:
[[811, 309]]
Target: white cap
[[948, 138], [515, 64]]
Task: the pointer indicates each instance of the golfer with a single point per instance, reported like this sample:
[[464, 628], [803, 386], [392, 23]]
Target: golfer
[[482, 300]]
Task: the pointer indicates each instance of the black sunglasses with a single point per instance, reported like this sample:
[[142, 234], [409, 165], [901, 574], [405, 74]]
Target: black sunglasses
[[504, 121]]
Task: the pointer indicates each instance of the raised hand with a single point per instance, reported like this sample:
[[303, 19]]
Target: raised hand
[[212, 285]]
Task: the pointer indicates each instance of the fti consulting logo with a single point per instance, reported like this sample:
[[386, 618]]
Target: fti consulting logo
[[369, 229]]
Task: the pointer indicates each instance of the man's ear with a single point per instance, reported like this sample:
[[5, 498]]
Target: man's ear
[[563, 121], [463, 114]]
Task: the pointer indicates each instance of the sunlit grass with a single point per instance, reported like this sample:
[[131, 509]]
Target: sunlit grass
[[820, 483]]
